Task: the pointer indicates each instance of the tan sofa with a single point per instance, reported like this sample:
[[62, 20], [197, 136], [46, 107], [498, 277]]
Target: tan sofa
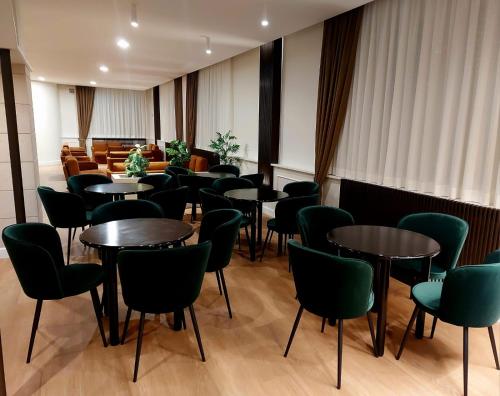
[[117, 165]]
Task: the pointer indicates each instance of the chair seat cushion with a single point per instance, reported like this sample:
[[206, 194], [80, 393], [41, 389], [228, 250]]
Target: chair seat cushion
[[245, 221], [81, 278], [88, 215], [414, 267], [427, 296]]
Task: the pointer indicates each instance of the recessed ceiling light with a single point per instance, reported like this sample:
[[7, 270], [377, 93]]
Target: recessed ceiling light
[[264, 22], [208, 51], [93, 82], [104, 68], [133, 16], [134, 24], [41, 78], [122, 43]]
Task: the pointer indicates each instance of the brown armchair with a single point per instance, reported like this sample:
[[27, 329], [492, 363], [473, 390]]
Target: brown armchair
[[198, 164], [73, 167]]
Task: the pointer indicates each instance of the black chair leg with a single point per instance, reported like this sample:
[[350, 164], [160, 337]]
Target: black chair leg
[[434, 323], [493, 346], [36, 319], [372, 333], [247, 235], [197, 332], [74, 233], [125, 327], [218, 282], [226, 295], [97, 309], [466, 359], [139, 345], [323, 325], [339, 355], [69, 245], [266, 241], [239, 241], [294, 329], [405, 337], [183, 319]]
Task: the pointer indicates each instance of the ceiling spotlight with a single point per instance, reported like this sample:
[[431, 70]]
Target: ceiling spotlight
[[122, 43], [41, 78], [93, 82], [208, 50], [104, 68], [133, 16], [264, 22]]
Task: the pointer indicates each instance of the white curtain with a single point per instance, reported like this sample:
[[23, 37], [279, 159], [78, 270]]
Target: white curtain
[[215, 102], [424, 111], [119, 113], [167, 111]]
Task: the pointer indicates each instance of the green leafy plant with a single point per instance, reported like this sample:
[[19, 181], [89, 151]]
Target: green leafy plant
[[178, 153], [225, 145], [136, 164]]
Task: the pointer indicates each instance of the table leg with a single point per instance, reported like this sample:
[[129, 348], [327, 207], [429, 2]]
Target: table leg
[[252, 232], [109, 264], [178, 319], [419, 327], [259, 223], [381, 289]]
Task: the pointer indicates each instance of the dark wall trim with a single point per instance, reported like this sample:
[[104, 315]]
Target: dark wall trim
[[12, 134], [269, 107], [156, 112]]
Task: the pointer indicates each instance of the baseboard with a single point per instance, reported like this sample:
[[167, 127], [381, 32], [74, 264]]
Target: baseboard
[[49, 163], [3, 253]]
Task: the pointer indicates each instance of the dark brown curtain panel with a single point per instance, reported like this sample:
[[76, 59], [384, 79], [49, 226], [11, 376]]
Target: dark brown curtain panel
[[338, 56], [191, 104], [179, 122], [84, 107]]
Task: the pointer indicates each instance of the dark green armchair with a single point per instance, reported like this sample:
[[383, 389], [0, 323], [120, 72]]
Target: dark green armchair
[[301, 188], [172, 201], [77, 185], [126, 209]]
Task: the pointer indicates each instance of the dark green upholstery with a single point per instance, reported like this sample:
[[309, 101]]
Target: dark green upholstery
[[231, 183], [210, 200], [314, 222], [256, 178], [173, 202], [78, 184], [301, 188], [174, 182], [225, 169], [160, 182], [178, 170], [194, 183], [493, 257], [449, 231], [126, 209]]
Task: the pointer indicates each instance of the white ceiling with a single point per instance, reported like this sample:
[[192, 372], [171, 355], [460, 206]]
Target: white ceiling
[[66, 40]]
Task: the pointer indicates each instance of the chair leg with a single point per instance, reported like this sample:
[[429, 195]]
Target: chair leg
[[434, 323], [69, 245], [466, 359], [139, 345], [372, 333], [36, 319], [294, 329], [405, 337], [266, 241], [339, 355], [239, 241], [226, 295], [323, 325], [197, 332], [247, 235], [218, 282], [493, 346], [183, 319], [125, 327], [97, 309], [74, 233]]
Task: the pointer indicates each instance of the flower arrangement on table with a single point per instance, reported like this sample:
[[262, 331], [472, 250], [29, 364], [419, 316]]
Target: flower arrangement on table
[[136, 164]]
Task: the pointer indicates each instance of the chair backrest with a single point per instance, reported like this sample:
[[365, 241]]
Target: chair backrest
[[329, 285], [36, 254], [166, 280], [178, 170], [493, 257], [174, 183], [471, 296], [126, 209], [225, 169], [63, 209], [210, 200], [77, 185], [314, 222], [231, 183], [221, 227], [449, 231], [159, 181], [301, 188], [256, 178], [287, 209], [173, 202]]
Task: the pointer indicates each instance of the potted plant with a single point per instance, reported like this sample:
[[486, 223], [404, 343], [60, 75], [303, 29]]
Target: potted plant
[[136, 164], [225, 145], [178, 153]]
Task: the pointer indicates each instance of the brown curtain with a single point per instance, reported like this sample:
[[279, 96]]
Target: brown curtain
[[338, 56], [84, 107], [179, 122], [191, 103]]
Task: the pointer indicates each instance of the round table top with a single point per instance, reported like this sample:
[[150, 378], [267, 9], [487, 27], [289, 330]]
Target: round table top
[[135, 233], [386, 242], [119, 188], [261, 194], [215, 175]]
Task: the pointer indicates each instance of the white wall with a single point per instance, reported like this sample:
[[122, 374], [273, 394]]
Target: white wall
[[68, 112], [47, 122]]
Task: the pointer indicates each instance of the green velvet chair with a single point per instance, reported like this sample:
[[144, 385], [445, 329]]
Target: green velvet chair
[[172, 201], [174, 183], [256, 178], [223, 168], [78, 184], [160, 182], [231, 183], [162, 281], [221, 227], [64, 210], [126, 209], [36, 253], [194, 183], [178, 170], [469, 296], [493, 257], [315, 222], [301, 188], [331, 286]]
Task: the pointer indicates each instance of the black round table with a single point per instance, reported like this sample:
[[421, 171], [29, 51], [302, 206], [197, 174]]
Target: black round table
[[215, 175], [119, 190], [131, 233], [257, 196], [386, 244]]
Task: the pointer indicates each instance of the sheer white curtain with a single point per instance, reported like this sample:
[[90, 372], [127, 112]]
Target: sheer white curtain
[[119, 113], [424, 111], [167, 111], [215, 102]]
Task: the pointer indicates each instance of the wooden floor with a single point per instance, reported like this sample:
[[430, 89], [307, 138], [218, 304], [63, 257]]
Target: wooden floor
[[244, 354]]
